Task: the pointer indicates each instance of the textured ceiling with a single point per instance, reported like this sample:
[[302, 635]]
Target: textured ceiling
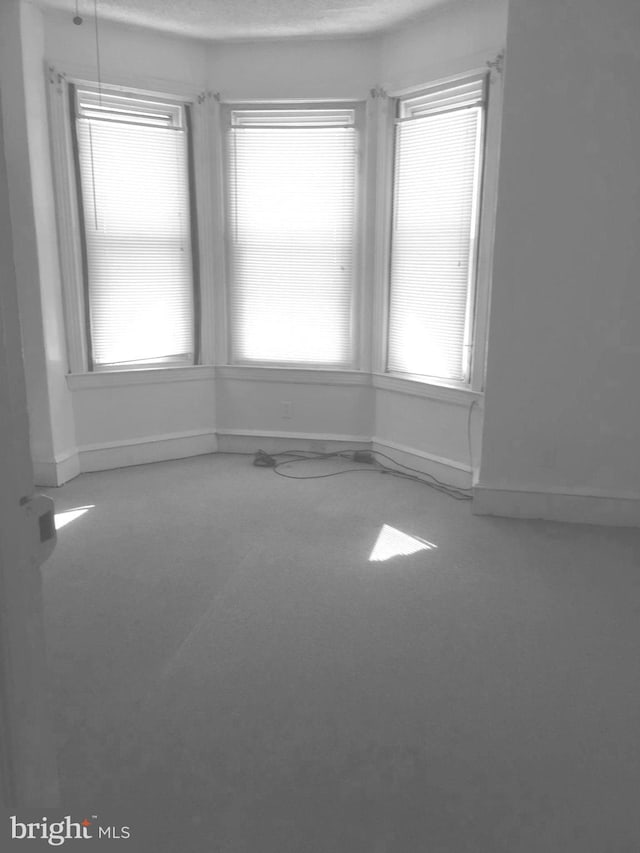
[[249, 19]]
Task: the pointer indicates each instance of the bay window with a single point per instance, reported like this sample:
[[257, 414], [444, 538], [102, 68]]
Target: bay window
[[132, 167], [279, 275], [291, 225], [434, 232]]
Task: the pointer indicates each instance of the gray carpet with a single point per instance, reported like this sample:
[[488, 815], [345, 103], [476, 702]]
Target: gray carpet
[[232, 674]]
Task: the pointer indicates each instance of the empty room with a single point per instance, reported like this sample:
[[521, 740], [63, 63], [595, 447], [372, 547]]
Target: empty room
[[319, 469]]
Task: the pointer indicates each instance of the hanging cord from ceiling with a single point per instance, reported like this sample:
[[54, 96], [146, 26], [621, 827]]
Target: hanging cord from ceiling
[[78, 21], [96, 28]]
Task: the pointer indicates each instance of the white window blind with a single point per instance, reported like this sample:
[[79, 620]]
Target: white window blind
[[438, 147], [292, 207], [133, 170]]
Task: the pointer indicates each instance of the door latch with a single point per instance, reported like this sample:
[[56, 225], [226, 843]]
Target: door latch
[[40, 514]]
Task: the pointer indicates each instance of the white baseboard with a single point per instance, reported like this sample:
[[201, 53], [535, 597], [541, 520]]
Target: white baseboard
[[248, 441], [100, 457], [157, 448], [448, 471], [580, 508], [621, 510], [54, 473]]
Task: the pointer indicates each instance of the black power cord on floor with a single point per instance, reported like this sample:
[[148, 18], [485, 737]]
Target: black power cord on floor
[[367, 458], [264, 460]]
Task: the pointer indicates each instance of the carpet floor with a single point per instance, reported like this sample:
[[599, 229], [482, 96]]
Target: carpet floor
[[242, 663]]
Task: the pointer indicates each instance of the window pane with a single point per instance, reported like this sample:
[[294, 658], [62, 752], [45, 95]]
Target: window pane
[[292, 208], [136, 214], [433, 243]]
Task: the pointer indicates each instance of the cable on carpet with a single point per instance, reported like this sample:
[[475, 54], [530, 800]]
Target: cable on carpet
[[368, 458]]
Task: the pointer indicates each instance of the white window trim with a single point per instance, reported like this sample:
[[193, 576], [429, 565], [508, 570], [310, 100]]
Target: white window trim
[[359, 293], [385, 111], [293, 375], [373, 232], [68, 220], [67, 212], [148, 376]]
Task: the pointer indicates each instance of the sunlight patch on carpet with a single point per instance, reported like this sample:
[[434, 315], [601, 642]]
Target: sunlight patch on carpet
[[392, 542], [69, 515]]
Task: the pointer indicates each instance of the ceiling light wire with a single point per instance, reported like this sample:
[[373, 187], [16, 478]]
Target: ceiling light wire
[[99, 75], [98, 62]]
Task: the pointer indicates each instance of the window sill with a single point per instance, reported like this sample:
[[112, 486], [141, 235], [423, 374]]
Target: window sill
[[295, 375], [148, 376], [455, 395], [286, 375]]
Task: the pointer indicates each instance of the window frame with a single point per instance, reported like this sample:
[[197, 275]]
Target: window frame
[[478, 295], [373, 223], [71, 238], [357, 285]]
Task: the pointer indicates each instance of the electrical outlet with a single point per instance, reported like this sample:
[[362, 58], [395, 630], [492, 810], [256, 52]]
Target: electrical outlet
[[286, 409]]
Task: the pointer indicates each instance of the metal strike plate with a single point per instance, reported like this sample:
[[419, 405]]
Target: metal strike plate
[[40, 513]]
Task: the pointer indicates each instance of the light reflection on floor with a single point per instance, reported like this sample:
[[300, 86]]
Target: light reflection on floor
[[392, 542], [69, 515]]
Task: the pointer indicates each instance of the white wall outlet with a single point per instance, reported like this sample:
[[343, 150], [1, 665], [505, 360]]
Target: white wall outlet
[[286, 409]]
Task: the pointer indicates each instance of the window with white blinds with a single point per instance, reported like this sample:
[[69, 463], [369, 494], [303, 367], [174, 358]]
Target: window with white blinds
[[133, 169], [437, 176], [291, 234]]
